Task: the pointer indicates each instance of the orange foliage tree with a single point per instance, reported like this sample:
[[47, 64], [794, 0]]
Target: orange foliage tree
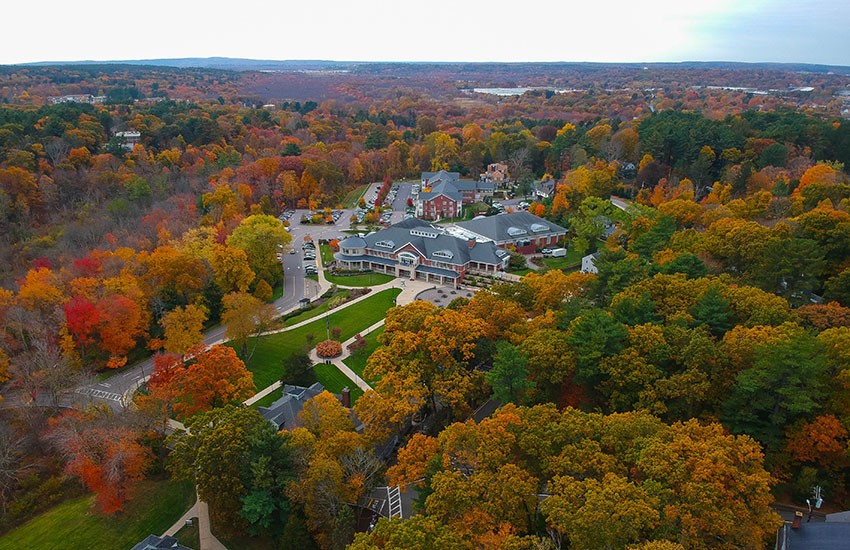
[[106, 458], [215, 378]]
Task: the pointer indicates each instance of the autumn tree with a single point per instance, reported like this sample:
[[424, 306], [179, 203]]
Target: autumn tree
[[107, 457], [262, 237], [215, 378], [247, 316], [240, 466], [184, 328]]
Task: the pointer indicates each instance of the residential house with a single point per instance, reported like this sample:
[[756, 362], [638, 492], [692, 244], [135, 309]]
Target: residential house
[[128, 139], [522, 230], [416, 249], [153, 542], [588, 263], [544, 189], [444, 194], [283, 413], [497, 174]]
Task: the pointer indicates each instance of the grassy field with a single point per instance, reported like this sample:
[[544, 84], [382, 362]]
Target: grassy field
[[333, 380], [350, 200], [74, 524], [571, 260], [310, 313], [357, 360], [269, 399], [367, 279], [272, 349], [327, 253], [189, 535]]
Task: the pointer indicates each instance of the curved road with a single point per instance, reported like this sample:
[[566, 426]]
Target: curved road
[[117, 389]]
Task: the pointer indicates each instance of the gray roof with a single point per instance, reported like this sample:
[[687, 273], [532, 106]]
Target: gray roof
[[153, 542], [442, 175], [815, 536], [512, 226], [353, 242], [433, 243], [283, 413]]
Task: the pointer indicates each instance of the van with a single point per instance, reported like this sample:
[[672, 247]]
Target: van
[[558, 252]]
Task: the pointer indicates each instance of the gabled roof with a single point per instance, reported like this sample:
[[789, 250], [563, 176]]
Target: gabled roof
[[153, 542], [283, 413], [512, 226], [433, 243], [442, 175]]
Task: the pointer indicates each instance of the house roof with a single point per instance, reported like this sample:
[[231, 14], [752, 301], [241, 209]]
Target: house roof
[[512, 226], [432, 242], [815, 536], [283, 413], [353, 242], [153, 542], [441, 175]]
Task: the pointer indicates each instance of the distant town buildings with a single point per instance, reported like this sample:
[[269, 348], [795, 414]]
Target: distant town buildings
[[77, 98]]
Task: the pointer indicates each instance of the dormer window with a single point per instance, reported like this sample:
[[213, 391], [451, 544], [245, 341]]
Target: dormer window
[[385, 244], [447, 254]]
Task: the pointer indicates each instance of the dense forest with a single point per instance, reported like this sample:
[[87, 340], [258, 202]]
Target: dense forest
[[700, 376]]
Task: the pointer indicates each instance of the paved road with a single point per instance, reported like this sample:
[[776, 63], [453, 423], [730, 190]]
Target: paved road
[[118, 389]]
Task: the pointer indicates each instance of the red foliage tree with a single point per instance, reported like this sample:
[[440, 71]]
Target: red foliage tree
[[107, 459]]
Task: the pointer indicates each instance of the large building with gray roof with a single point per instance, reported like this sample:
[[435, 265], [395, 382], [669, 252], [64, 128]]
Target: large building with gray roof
[[416, 249], [444, 194], [523, 230]]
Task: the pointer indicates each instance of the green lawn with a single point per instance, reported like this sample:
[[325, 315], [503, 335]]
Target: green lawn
[[571, 260], [74, 523], [333, 380], [357, 360], [367, 279], [269, 399], [310, 313], [350, 200], [272, 349], [189, 536], [327, 253], [521, 272]]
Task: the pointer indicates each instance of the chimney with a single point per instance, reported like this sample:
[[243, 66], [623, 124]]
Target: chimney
[[798, 520], [346, 397], [470, 243]]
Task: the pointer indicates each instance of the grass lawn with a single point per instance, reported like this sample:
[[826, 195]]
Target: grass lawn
[[357, 360], [269, 399], [521, 272], [571, 260], [74, 524], [327, 253], [333, 380], [310, 313], [277, 292], [350, 200], [367, 279], [272, 349], [189, 535]]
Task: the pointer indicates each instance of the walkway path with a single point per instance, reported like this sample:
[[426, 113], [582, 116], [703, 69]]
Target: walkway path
[[199, 510]]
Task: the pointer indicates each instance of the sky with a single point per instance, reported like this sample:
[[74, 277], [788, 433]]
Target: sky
[[801, 31]]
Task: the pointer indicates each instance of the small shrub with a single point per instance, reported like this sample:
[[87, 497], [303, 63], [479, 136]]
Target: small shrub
[[328, 349], [336, 332]]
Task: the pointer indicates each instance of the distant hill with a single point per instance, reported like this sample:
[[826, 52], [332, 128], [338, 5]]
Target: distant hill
[[240, 64]]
